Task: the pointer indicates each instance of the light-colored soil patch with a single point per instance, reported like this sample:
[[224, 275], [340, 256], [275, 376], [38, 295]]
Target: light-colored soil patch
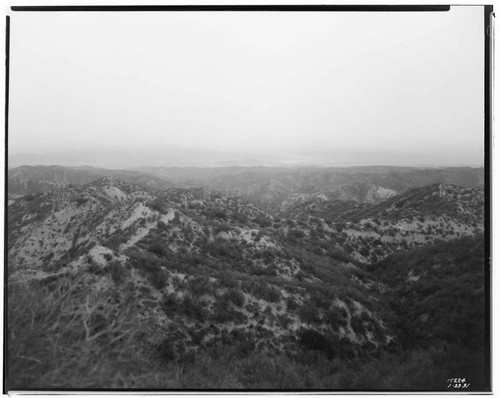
[[114, 193], [139, 212]]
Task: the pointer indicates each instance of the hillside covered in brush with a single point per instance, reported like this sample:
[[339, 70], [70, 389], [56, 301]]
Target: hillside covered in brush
[[185, 287]]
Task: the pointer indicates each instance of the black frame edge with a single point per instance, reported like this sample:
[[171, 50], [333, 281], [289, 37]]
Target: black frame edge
[[488, 9], [277, 7], [5, 274]]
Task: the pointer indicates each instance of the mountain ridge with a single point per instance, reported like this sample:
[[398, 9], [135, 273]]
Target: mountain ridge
[[207, 272]]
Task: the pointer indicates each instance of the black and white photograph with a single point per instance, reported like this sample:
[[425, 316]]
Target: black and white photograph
[[248, 198]]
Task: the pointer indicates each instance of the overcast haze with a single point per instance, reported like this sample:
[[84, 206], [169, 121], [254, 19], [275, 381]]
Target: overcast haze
[[295, 88]]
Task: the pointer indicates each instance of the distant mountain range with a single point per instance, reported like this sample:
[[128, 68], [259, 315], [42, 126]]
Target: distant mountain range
[[273, 188], [127, 157], [120, 157]]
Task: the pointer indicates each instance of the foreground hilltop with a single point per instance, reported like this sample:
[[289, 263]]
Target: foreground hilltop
[[212, 277], [125, 214], [226, 262]]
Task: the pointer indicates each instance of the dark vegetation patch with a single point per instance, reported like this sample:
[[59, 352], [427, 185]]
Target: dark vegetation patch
[[446, 302]]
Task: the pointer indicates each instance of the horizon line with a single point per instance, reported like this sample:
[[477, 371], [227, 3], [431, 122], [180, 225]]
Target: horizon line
[[311, 166]]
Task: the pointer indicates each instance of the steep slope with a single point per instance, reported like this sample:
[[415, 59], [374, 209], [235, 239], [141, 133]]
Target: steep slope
[[438, 289], [418, 217], [437, 295], [203, 267]]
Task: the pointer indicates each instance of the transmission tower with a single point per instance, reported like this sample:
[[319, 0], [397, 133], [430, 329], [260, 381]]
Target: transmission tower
[[60, 191], [206, 193]]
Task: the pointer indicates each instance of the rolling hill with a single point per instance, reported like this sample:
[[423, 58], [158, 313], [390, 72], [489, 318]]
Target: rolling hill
[[190, 282]]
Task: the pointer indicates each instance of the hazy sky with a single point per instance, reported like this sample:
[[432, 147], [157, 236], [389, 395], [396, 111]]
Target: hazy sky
[[273, 83]]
